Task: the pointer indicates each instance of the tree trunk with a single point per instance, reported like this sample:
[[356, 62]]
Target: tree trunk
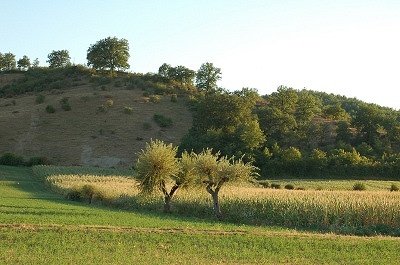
[[217, 209], [167, 204]]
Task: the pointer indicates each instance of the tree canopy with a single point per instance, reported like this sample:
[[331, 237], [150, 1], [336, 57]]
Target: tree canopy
[[109, 54], [207, 77], [58, 59], [7, 61], [24, 63]]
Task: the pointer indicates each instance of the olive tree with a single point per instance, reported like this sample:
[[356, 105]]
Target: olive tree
[[157, 168], [214, 171]]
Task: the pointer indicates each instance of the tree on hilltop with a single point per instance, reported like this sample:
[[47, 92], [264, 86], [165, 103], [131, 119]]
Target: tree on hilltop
[[59, 59], [24, 63], [109, 54], [7, 61], [207, 77]]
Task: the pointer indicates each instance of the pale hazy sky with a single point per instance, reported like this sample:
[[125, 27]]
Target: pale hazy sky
[[347, 47]]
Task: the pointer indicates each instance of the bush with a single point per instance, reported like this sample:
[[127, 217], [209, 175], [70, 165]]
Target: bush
[[37, 160], [50, 109], [87, 193], [289, 186], [359, 186], [275, 186], [155, 98], [39, 99], [146, 94], [118, 83], [85, 98], [394, 187], [162, 121], [109, 103], [101, 109], [264, 183], [174, 98], [146, 126], [74, 195], [64, 102], [9, 159], [128, 110]]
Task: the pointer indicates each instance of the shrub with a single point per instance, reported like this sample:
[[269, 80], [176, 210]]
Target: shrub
[[74, 195], [118, 83], [39, 99], [37, 160], [359, 186], [128, 110], [146, 126], [155, 98], [394, 187], [64, 102], [289, 186], [85, 98], [88, 192], [275, 186], [9, 159], [174, 98], [101, 109], [109, 103], [264, 183], [50, 109], [146, 94], [162, 121]]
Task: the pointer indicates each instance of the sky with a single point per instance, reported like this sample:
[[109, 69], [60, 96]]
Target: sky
[[349, 47]]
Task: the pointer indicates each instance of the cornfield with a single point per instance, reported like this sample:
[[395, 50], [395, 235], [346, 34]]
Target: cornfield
[[347, 212]]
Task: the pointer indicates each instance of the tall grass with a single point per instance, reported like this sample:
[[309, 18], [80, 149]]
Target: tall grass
[[346, 212]]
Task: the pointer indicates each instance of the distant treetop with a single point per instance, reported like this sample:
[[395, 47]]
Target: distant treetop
[[109, 54]]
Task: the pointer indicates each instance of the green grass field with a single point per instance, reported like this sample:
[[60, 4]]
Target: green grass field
[[40, 227]]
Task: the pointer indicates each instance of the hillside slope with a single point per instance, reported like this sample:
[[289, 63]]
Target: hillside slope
[[85, 135]]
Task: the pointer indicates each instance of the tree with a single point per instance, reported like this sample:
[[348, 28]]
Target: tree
[[35, 63], [182, 74], [157, 167], [24, 63], [7, 61], [109, 54], [165, 70], [214, 171], [225, 122], [59, 59], [207, 77]]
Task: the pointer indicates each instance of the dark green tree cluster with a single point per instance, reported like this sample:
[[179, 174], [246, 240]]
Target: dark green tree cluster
[[225, 121], [205, 78], [299, 132], [179, 73]]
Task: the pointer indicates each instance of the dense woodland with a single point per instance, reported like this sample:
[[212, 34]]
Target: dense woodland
[[288, 133]]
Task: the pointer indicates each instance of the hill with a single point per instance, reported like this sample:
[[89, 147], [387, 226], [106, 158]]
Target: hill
[[107, 124]]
